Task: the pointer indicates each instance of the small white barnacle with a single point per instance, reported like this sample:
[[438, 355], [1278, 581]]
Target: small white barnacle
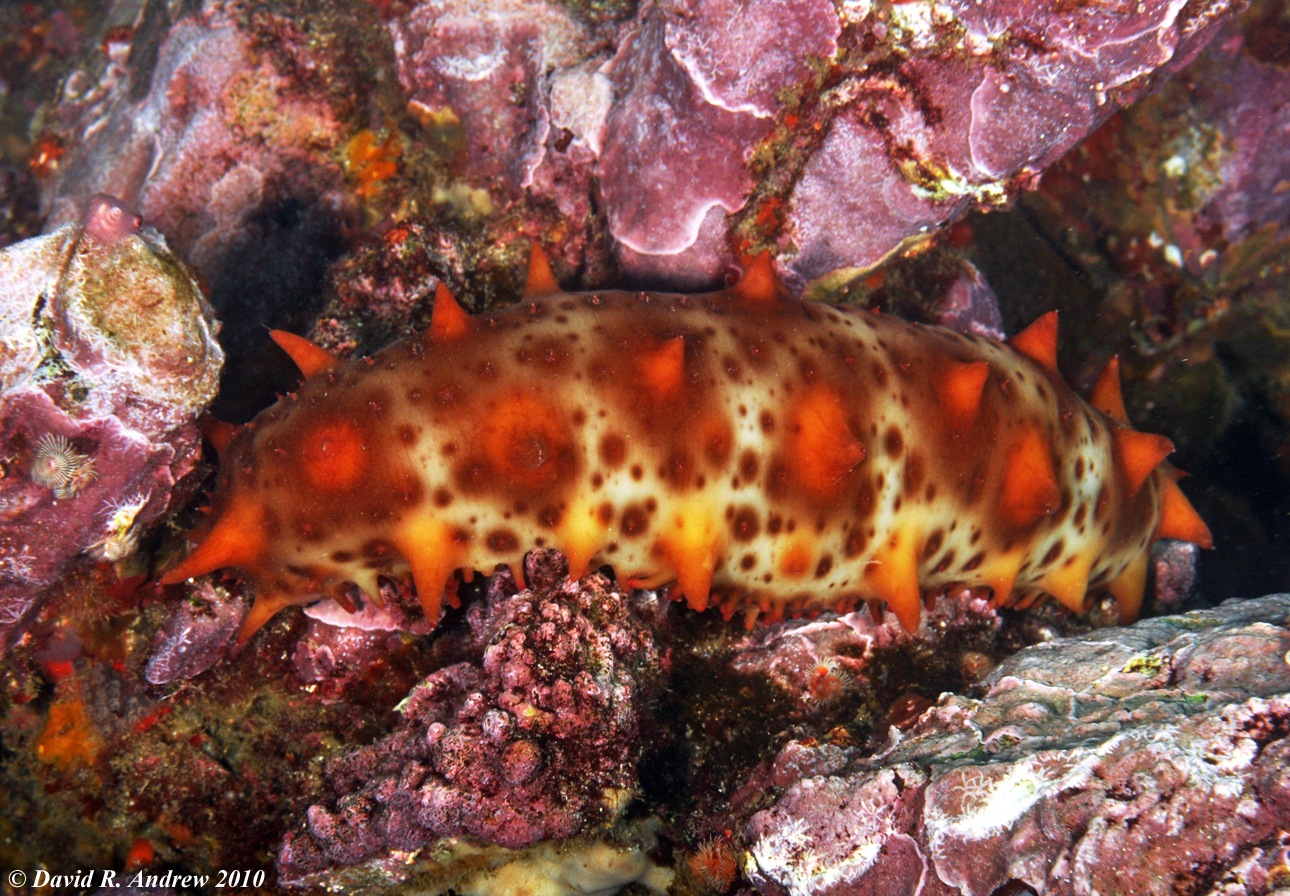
[[121, 538], [56, 465]]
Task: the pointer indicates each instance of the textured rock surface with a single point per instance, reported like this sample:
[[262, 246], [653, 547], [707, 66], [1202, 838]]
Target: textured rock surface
[[1167, 741], [670, 136], [689, 107], [223, 129], [868, 128], [535, 740], [197, 636], [107, 355], [200, 141]]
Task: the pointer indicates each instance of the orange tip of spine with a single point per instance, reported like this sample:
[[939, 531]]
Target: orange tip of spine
[[1178, 519], [309, 357], [1138, 453], [759, 283], [1107, 396], [540, 279], [1039, 341], [448, 320]]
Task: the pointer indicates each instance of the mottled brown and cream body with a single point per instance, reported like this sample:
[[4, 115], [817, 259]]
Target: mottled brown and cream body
[[765, 453]]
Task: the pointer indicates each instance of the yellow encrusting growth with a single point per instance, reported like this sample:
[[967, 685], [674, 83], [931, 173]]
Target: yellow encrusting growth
[[767, 455]]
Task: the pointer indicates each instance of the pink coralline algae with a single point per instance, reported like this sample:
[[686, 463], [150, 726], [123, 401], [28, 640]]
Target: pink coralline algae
[[475, 69], [199, 143], [696, 87], [818, 661], [196, 636], [990, 94], [535, 740], [107, 356], [1168, 741], [903, 119]]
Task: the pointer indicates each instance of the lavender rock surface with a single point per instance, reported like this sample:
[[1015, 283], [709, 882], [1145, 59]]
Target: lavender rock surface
[[198, 635], [831, 133], [535, 739], [1168, 741], [107, 355], [200, 141], [866, 128]]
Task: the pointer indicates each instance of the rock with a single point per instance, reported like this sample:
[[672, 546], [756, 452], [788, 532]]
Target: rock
[[534, 740], [107, 356], [1167, 741]]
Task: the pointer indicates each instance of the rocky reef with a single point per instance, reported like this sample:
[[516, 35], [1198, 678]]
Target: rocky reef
[[535, 740], [1166, 741], [107, 356]]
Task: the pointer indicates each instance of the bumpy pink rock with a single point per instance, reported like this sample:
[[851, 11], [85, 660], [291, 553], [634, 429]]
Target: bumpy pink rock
[[970, 306], [1167, 741], [526, 743], [817, 661], [199, 143], [970, 119], [196, 636], [695, 87], [107, 356], [479, 66]]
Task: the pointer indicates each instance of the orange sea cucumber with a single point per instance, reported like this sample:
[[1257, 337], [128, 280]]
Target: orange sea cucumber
[[764, 453]]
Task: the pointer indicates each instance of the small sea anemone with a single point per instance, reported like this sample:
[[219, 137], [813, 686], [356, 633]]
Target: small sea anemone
[[827, 680], [56, 465], [715, 865]]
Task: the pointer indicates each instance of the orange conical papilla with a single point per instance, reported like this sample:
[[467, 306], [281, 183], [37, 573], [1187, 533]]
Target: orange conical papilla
[[1106, 396], [309, 357], [540, 278], [759, 284], [1039, 341], [236, 539]]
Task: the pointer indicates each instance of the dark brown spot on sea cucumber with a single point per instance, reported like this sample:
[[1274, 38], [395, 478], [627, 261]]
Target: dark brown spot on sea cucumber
[[375, 549], [503, 541], [633, 521], [893, 443], [824, 566], [613, 450], [746, 525], [1053, 553], [855, 543], [934, 542]]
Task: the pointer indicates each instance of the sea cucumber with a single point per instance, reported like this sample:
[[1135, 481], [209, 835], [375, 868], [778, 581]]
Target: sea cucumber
[[766, 454]]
